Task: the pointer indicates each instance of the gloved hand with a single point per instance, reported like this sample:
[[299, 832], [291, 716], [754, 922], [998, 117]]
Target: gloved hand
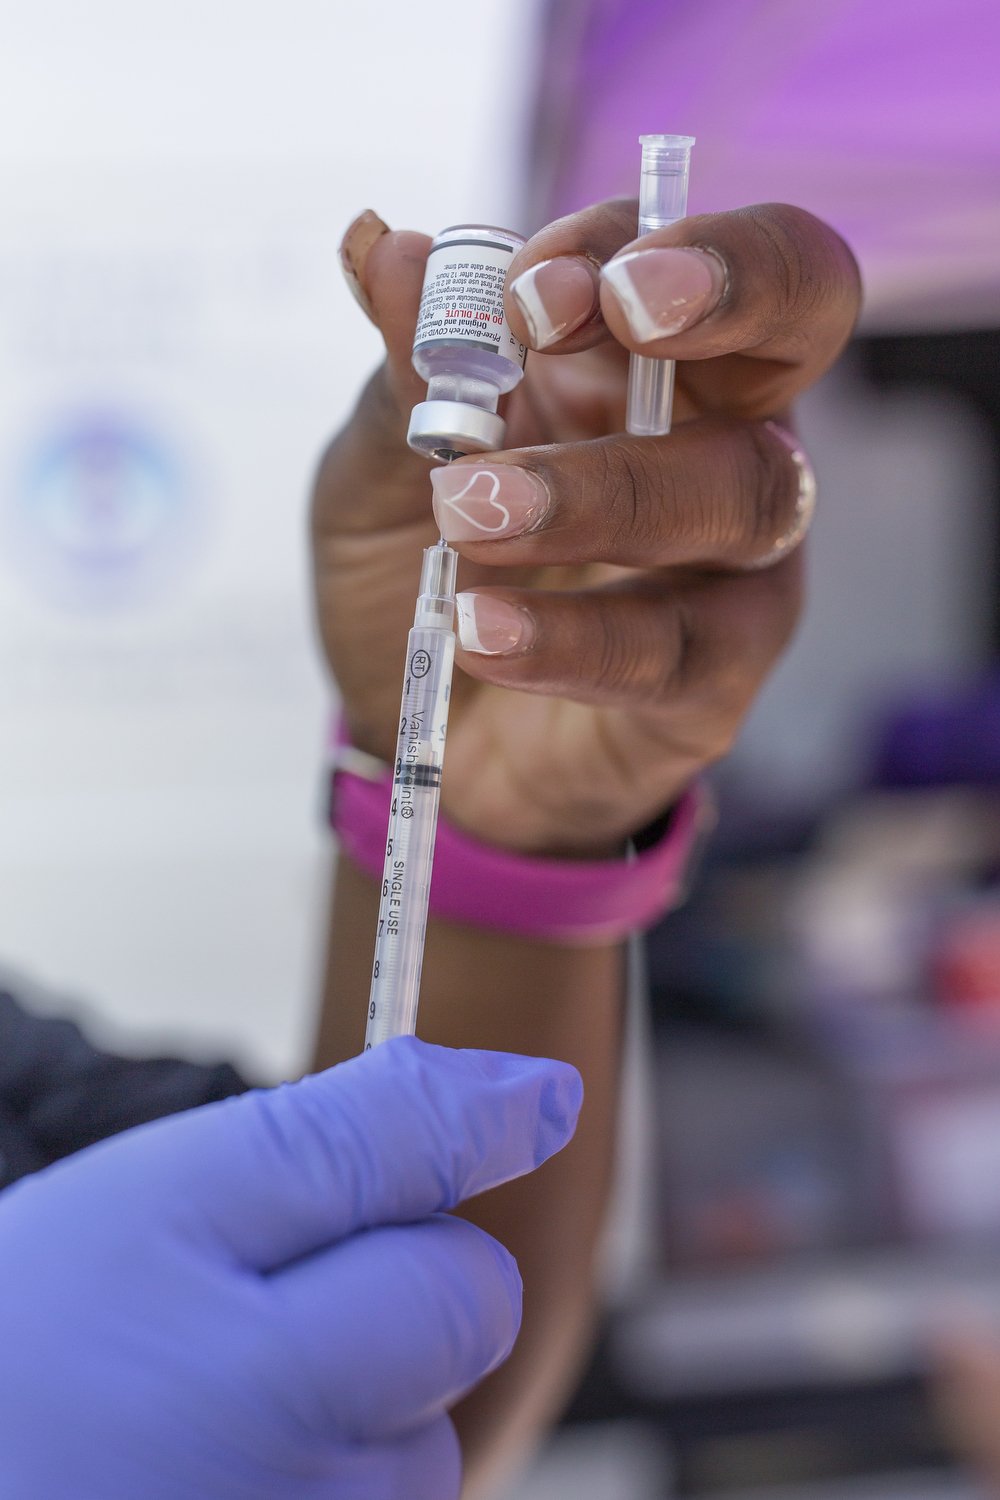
[[264, 1297]]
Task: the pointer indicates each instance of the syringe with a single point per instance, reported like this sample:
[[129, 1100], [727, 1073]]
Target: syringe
[[466, 352], [416, 793], [663, 192]]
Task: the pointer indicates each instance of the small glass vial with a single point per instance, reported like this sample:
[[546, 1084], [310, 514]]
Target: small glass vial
[[463, 347]]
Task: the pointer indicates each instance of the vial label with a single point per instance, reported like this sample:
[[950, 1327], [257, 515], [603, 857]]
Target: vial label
[[462, 299]]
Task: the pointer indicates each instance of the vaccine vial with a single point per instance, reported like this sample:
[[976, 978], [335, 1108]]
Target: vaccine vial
[[463, 347]]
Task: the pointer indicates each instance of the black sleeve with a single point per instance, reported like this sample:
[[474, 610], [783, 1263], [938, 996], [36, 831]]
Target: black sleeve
[[58, 1093]]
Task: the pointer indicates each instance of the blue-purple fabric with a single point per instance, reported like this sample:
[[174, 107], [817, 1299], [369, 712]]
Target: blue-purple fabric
[[60, 1093]]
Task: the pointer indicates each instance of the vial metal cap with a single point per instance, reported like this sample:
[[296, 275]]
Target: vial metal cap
[[449, 429]]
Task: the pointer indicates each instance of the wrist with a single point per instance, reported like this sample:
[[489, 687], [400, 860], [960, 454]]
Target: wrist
[[559, 821], [562, 900], [536, 839], [540, 833], [568, 812]]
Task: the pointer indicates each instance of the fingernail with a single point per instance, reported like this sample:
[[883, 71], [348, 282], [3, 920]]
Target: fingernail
[[555, 297], [663, 291], [474, 502], [491, 626], [354, 247]]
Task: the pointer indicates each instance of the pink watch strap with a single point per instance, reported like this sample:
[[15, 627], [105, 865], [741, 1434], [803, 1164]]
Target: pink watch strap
[[553, 900]]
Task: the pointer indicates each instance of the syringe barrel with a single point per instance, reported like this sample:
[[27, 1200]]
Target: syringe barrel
[[416, 793], [650, 400], [663, 194]]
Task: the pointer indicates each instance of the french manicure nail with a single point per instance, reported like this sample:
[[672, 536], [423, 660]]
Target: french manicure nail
[[358, 239], [662, 291], [491, 626], [556, 297], [477, 502]]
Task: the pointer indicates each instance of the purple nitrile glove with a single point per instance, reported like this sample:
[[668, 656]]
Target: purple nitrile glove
[[264, 1297]]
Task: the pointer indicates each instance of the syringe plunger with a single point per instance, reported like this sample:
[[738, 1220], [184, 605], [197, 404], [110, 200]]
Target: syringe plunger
[[663, 180], [663, 191]]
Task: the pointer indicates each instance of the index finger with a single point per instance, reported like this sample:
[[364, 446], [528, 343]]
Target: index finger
[[397, 1324], [770, 294]]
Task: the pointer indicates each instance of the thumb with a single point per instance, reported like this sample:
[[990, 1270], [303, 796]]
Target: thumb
[[403, 1131], [370, 457], [384, 269]]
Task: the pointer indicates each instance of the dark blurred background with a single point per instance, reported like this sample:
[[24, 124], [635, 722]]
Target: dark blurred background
[[819, 1128]]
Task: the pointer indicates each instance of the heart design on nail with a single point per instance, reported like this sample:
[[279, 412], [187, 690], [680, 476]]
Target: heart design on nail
[[489, 501]]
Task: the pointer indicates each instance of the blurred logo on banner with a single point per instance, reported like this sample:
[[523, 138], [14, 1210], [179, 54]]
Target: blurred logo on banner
[[102, 513]]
